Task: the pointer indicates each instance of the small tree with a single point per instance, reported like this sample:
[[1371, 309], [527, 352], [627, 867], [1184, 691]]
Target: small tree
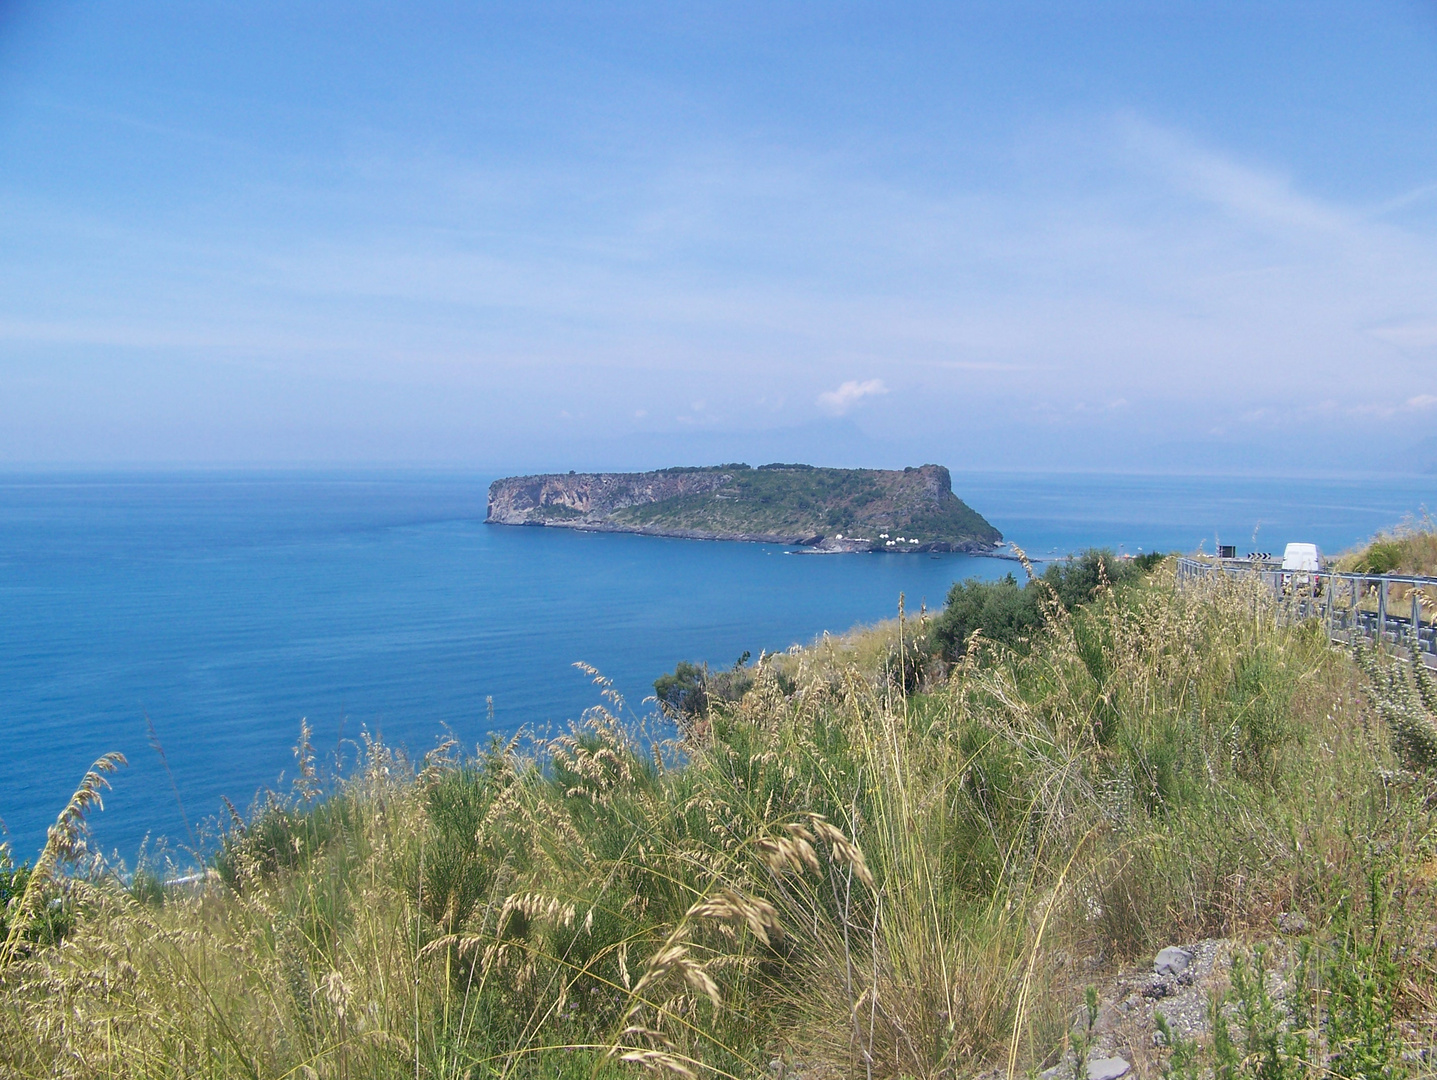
[[683, 693]]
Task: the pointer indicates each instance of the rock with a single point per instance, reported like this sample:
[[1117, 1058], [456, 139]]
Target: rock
[[1172, 961], [1107, 1068], [1100, 1068], [1292, 922], [1159, 988]]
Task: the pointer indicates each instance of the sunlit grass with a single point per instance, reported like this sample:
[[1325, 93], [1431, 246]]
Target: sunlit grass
[[874, 864]]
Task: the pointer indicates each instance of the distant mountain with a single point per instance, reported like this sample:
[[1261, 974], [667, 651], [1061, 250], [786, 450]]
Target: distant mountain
[[1424, 455], [829, 509]]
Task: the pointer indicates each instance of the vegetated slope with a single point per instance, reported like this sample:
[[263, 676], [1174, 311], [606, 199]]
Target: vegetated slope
[[832, 509], [1410, 548], [872, 864]]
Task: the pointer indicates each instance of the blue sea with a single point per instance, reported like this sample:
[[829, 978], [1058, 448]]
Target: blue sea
[[223, 608]]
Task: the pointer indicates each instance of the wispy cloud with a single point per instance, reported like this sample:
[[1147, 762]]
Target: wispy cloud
[[841, 401], [1123, 261], [1410, 335]]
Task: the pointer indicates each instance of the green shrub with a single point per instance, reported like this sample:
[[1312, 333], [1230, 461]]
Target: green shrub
[[1076, 581], [683, 692], [1148, 561], [1381, 557], [686, 693], [1009, 615], [12, 887], [1410, 548], [1000, 610], [1405, 695]]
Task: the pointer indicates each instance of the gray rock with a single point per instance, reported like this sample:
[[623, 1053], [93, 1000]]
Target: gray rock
[[1292, 922], [1172, 961], [1099, 1068], [1107, 1068]]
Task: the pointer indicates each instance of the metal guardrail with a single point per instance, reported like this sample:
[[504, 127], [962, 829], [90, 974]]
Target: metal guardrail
[[1380, 607]]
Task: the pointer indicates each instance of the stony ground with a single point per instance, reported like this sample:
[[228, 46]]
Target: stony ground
[[1179, 982]]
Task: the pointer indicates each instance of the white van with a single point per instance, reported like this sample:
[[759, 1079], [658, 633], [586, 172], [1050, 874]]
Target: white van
[[1301, 565]]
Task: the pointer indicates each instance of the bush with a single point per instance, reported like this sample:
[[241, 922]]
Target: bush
[[1148, 561], [1076, 582], [683, 692], [686, 692], [1381, 557], [1008, 614], [12, 887], [1410, 548], [1000, 609]]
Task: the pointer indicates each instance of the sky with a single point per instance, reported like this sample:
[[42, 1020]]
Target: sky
[[1103, 236]]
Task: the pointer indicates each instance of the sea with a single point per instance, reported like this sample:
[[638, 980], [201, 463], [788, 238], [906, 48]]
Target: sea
[[192, 621]]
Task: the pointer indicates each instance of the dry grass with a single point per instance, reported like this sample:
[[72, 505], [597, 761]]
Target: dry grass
[[873, 868], [1410, 548]]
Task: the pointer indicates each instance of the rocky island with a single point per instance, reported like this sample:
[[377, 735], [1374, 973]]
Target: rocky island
[[908, 510]]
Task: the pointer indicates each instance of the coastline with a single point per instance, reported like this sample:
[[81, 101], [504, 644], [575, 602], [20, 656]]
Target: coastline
[[816, 543]]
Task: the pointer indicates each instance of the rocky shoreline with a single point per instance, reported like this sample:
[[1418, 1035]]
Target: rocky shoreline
[[816, 542]]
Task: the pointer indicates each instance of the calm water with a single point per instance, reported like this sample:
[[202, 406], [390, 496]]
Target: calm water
[[225, 608]]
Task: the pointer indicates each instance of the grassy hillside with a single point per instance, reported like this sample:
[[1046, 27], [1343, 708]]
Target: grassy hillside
[[874, 864], [1411, 548], [803, 500]]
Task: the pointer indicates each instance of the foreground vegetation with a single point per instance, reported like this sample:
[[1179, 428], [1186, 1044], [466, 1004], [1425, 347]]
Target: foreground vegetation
[[875, 863]]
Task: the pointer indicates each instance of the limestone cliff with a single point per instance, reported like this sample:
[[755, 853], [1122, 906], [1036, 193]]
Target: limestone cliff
[[830, 509]]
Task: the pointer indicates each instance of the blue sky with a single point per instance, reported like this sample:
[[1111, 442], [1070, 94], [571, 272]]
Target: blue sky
[[1122, 235]]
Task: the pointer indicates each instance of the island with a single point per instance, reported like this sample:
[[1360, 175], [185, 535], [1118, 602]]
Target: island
[[831, 510]]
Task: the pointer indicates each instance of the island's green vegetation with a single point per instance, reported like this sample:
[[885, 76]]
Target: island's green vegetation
[[875, 863], [804, 500], [908, 510]]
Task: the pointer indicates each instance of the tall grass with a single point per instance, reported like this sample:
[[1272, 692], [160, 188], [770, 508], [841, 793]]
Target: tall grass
[[1410, 548], [870, 866]]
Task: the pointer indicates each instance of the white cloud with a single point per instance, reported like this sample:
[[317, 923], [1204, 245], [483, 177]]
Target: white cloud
[[1419, 335], [1422, 401], [841, 401]]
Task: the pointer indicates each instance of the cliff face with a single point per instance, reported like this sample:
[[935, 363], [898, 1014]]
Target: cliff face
[[587, 499], [832, 509]]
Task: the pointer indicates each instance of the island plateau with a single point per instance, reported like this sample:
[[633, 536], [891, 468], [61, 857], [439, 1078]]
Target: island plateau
[[908, 510]]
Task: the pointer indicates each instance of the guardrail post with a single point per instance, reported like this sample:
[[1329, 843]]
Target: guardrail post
[[1382, 613]]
